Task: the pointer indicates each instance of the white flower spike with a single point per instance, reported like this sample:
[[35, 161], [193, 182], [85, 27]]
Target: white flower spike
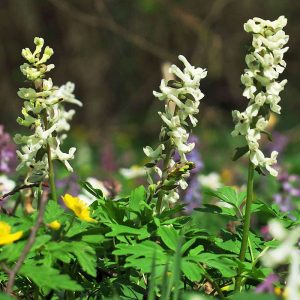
[[264, 65], [185, 95], [44, 113]]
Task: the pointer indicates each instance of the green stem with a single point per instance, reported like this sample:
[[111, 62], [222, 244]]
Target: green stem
[[164, 174], [68, 228], [246, 227], [51, 174], [50, 165]]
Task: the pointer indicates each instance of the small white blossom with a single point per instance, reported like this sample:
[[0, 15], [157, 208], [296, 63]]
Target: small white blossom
[[133, 172], [6, 184], [211, 181]]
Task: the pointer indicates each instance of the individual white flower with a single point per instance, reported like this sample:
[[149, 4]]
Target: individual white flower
[[171, 197], [211, 181], [154, 153], [66, 92], [269, 162], [6, 185], [261, 124], [133, 172]]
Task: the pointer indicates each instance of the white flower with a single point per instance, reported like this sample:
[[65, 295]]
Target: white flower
[[171, 197], [154, 153], [6, 184], [65, 92], [269, 162], [133, 172], [212, 181]]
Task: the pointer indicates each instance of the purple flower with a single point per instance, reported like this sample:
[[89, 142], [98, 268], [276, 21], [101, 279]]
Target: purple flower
[[289, 188], [8, 157], [280, 141], [108, 159], [69, 184], [192, 196], [267, 285], [194, 155]]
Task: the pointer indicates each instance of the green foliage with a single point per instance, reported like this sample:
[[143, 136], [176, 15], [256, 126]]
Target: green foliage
[[132, 251], [49, 278]]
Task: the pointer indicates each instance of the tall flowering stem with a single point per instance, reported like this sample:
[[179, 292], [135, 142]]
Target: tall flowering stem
[[43, 112], [182, 99], [264, 65]]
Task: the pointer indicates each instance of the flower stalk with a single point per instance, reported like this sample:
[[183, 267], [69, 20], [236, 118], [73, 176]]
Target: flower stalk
[[247, 221], [264, 65]]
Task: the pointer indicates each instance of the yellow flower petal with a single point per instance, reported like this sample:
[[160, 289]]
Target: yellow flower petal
[[4, 228], [6, 237], [79, 207], [55, 225]]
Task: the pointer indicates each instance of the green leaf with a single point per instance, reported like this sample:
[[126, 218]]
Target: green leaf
[[239, 152], [12, 252], [217, 210], [53, 211], [93, 238], [137, 196], [169, 236], [126, 230], [59, 251], [46, 277], [253, 296], [228, 195], [152, 283], [40, 154], [196, 251], [5, 297], [93, 191], [140, 256], [77, 228], [191, 270], [230, 245], [269, 135], [187, 245], [226, 266], [86, 257]]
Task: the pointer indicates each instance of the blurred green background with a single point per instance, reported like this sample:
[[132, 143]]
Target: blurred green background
[[113, 50]]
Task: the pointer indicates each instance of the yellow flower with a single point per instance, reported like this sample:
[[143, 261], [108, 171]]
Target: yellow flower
[[55, 225], [5, 236], [79, 207], [277, 291]]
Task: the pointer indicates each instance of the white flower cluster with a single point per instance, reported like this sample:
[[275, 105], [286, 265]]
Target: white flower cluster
[[43, 112], [286, 253], [182, 98], [264, 65]]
